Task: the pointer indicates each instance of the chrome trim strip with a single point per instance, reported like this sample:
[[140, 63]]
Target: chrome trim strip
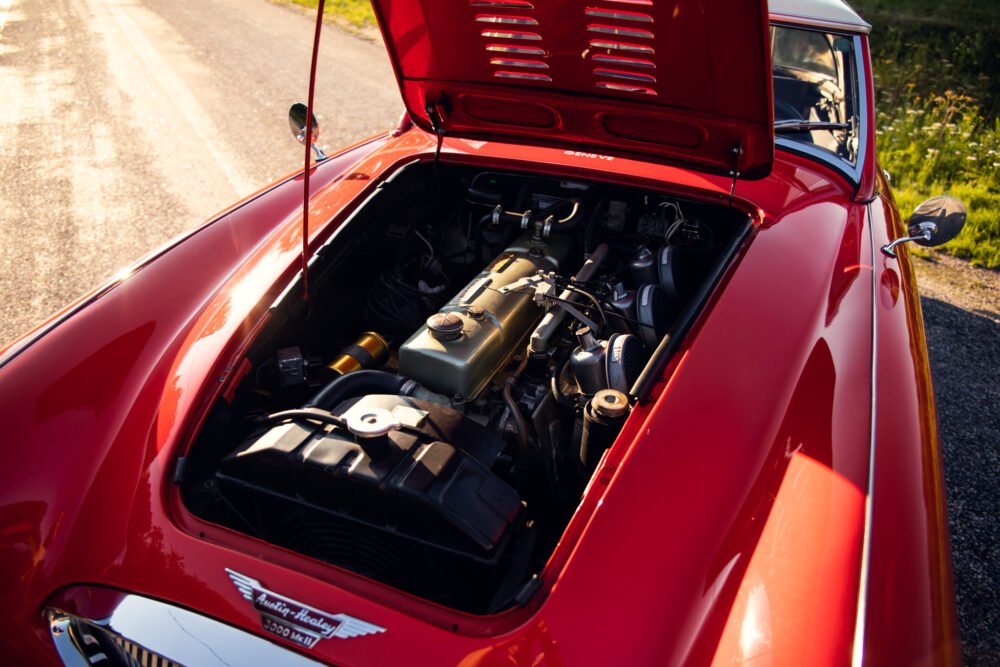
[[629, 76], [511, 62], [526, 50], [813, 22], [620, 46], [65, 646], [507, 20], [623, 61], [620, 31], [177, 634], [609, 85], [504, 4], [618, 15], [504, 34], [527, 76], [857, 653]]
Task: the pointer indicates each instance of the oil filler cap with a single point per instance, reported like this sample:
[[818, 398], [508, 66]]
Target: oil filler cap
[[445, 326], [610, 403]]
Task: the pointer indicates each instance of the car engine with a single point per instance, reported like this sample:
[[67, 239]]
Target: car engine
[[431, 416]]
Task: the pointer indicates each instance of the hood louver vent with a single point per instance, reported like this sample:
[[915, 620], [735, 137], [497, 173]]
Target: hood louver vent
[[619, 23], [686, 82]]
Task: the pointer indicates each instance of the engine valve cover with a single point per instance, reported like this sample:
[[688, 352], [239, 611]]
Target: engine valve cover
[[491, 323]]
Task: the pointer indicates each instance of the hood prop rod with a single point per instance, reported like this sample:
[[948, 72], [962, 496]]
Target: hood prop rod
[[435, 114], [308, 144]]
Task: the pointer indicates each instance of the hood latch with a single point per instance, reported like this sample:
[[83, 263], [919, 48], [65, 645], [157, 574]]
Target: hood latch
[[734, 171]]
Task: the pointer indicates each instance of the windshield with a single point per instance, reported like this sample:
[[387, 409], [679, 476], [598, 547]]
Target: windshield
[[816, 92]]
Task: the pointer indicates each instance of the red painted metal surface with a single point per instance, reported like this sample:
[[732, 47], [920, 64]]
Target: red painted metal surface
[[910, 606], [681, 80], [726, 524]]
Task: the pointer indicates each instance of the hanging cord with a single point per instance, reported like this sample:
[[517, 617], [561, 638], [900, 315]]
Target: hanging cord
[[308, 144]]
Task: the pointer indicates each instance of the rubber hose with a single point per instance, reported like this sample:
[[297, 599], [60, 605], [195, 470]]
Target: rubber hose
[[361, 382], [564, 224]]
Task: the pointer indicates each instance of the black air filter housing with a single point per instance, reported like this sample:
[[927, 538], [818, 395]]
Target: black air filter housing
[[429, 480]]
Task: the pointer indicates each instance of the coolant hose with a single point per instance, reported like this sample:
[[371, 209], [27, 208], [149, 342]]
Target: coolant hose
[[570, 207], [358, 383]]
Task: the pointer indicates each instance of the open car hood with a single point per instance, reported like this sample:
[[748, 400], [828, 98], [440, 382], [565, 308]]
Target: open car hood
[[680, 81]]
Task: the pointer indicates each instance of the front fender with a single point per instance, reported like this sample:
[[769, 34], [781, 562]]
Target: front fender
[[79, 397]]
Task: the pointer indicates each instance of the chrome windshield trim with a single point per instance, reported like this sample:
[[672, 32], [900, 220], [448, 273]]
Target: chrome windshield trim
[[814, 22], [181, 636], [851, 171]]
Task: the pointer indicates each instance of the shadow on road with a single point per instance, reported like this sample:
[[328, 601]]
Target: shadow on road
[[965, 361]]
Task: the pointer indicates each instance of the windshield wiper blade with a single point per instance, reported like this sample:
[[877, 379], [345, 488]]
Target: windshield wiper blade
[[786, 126]]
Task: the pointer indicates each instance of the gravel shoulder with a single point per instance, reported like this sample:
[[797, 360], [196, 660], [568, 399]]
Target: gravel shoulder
[[961, 306]]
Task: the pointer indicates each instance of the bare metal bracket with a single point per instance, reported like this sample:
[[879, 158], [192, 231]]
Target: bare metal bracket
[[925, 234]]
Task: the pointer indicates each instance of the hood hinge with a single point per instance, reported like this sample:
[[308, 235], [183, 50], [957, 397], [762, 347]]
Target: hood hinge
[[436, 113], [734, 172]]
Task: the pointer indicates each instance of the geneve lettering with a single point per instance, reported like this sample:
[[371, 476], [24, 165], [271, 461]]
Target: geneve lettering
[[592, 156]]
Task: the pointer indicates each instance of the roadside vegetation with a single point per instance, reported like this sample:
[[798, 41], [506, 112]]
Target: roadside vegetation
[[351, 13], [937, 76]]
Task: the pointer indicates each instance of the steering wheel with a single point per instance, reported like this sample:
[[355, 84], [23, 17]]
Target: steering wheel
[[785, 110]]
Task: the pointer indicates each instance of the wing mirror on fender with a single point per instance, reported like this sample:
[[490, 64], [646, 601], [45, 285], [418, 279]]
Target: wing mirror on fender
[[297, 121], [933, 223]]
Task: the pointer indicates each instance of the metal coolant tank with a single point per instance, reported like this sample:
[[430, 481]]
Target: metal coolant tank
[[471, 338]]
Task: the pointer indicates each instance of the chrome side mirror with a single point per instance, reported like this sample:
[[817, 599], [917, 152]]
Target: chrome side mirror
[[933, 223], [297, 115]]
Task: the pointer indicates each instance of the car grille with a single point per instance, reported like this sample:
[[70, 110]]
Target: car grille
[[104, 648], [137, 631]]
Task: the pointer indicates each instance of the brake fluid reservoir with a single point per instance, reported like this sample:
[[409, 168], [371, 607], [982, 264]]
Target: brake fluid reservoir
[[461, 361]]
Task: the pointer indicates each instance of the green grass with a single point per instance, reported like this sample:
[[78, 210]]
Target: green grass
[[937, 80], [945, 145], [978, 241], [355, 13]]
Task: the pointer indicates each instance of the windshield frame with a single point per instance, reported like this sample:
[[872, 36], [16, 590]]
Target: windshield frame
[[851, 171]]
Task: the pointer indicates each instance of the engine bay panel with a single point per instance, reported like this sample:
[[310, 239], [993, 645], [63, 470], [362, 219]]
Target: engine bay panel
[[432, 416]]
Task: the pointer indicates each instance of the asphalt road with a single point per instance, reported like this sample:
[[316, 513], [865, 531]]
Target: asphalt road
[[126, 122]]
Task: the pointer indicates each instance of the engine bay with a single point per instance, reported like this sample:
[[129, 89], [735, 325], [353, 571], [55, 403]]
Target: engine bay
[[472, 344]]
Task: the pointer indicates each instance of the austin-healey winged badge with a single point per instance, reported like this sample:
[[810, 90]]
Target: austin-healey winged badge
[[297, 622]]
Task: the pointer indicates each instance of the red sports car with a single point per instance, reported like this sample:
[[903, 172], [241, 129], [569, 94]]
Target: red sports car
[[608, 354]]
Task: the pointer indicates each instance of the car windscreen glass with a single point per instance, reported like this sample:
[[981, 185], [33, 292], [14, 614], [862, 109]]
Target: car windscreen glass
[[816, 91]]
